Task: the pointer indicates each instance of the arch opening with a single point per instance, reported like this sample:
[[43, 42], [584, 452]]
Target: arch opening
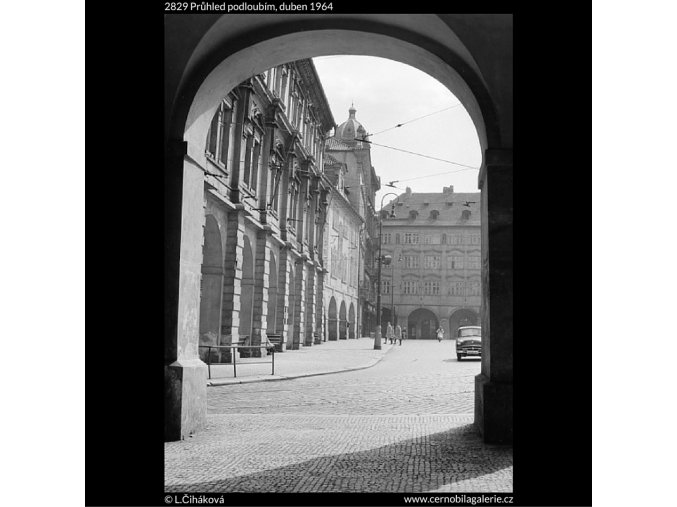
[[332, 320], [422, 324]]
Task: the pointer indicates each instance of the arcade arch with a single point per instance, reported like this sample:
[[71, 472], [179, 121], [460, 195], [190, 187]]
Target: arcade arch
[[462, 317], [343, 328], [332, 320], [422, 324]]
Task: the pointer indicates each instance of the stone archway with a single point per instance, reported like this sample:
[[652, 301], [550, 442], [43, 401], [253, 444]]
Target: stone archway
[[332, 320], [210, 54], [421, 324], [462, 317]]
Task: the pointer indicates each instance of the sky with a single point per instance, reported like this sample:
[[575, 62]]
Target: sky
[[386, 93]]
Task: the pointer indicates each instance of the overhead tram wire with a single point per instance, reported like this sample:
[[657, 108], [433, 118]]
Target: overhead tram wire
[[415, 119], [417, 154]]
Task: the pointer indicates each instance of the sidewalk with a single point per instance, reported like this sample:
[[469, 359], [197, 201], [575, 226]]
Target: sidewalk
[[328, 357]]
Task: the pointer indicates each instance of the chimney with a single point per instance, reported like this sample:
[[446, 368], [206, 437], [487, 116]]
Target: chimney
[[408, 190], [448, 190]]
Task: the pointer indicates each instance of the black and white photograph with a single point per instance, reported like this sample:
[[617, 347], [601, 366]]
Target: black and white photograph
[[288, 265], [339, 266]]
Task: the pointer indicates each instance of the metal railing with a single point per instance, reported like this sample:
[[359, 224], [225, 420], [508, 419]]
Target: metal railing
[[269, 347]]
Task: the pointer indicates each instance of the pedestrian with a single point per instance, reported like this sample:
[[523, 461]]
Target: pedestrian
[[440, 333], [398, 333], [389, 333]]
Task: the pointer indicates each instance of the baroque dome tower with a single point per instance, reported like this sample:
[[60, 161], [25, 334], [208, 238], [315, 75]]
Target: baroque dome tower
[[350, 130]]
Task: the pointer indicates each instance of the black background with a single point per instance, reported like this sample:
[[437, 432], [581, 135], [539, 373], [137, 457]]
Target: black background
[[124, 370]]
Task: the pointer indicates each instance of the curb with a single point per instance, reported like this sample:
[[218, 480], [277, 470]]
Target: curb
[[276, 378]]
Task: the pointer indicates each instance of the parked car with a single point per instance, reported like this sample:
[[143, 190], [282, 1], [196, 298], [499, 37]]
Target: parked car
[[468, 341]]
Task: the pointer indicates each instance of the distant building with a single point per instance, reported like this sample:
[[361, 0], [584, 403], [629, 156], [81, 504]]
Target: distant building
[[348, 163], [434, 278], [341, 257]]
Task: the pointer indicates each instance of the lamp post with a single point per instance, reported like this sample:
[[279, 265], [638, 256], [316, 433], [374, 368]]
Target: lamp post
[[392, 291], [377, 336]]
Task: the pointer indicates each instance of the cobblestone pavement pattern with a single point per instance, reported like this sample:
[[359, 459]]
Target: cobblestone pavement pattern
[[403, 425]]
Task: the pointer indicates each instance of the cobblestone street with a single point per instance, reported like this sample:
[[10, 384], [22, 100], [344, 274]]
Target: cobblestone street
[[403, 425]]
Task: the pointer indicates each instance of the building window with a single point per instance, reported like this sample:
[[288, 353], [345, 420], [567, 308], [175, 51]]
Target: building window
[[411, 238], [386, 238], [475, 239], [293, 204], [431, 262], [431, 239], [246, 157], [474, 262], [283, 90], [457, 288], [409, 287], [411, 261], [385, 286], [455, 262], [474, 288], [431, 288], [221, 137]]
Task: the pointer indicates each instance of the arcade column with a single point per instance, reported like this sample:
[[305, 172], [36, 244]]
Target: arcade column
[[185, 396], [494, 385]]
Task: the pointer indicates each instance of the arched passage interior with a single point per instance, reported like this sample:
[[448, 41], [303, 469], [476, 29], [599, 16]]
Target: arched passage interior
[[212, 54]]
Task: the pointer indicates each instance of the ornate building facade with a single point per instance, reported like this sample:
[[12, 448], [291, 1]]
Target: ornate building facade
[[348, 161], [434, 277], [265, 203]]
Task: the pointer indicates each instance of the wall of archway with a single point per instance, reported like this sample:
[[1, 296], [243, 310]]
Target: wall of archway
[[207, 55]]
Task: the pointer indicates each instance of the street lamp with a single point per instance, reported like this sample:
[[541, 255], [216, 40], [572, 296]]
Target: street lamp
[[392, 291], [381, 261]]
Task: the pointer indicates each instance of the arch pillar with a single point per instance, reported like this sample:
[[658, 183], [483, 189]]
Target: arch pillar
[[319, 305], [283, 296], [261, 286], [232, 283], [311, 299], [185, 396], [494, 385], [298, 329]]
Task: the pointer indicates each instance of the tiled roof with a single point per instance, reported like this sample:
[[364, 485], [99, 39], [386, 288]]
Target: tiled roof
[[449, 214], [329, 160], [333, 143]]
